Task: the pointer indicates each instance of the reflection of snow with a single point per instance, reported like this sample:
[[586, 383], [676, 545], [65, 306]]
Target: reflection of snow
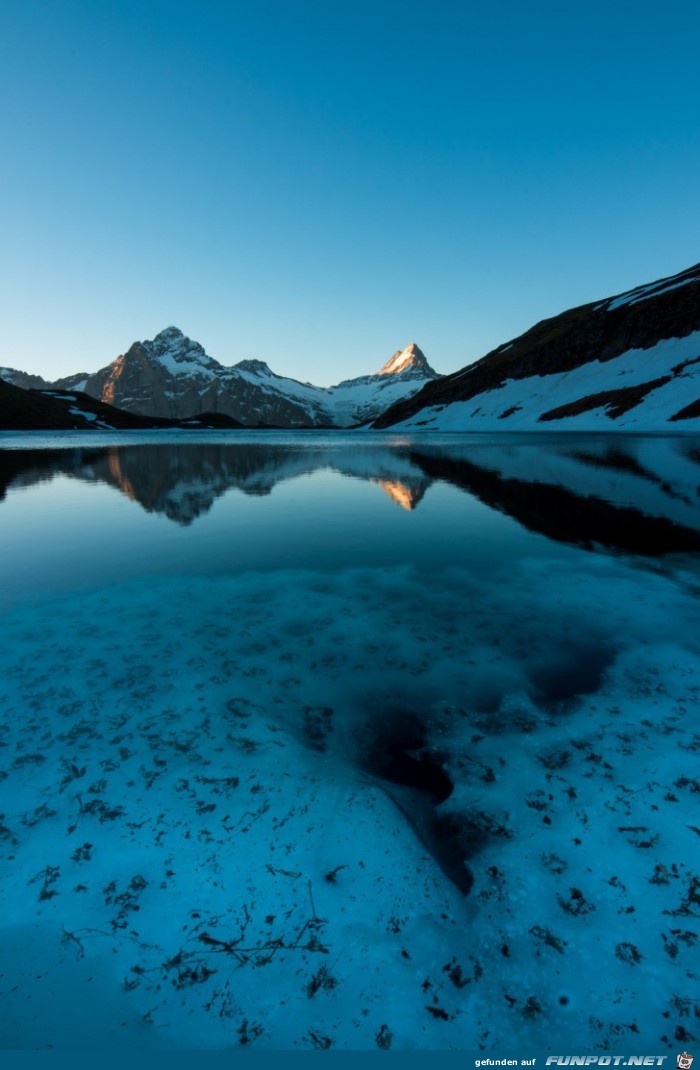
[[184, 819], [657, 476]]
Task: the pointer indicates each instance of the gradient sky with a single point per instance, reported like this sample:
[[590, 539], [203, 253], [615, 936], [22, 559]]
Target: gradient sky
[[316, 184]]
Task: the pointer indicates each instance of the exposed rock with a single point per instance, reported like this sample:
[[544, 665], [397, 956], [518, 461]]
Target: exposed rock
[[521, 383]]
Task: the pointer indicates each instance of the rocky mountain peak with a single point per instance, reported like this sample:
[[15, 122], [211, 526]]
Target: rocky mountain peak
[[257, 367], [25, 380], [173, 342], [630, 361], [411, 359], [172, 376], [168, 334]]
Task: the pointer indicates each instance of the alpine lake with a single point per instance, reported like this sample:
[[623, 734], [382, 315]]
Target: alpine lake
[[349, 741]]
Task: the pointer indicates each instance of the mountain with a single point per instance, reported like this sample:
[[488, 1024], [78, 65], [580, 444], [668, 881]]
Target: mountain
[[631, 361], [61, 410], [172, 376], [23, 379], [410, 362]]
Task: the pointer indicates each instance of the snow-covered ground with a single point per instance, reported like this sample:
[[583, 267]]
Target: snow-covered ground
[[519, 404], [198, 851]]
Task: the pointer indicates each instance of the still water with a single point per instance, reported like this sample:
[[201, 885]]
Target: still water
[[349, 741]]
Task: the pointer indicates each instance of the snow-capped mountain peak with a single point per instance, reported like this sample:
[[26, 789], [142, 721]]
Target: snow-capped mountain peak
[[411, 359], [168, 335], [256, 367], [171, 375], [177, 352]]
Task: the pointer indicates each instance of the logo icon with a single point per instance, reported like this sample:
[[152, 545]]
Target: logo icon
[[684, 1061]]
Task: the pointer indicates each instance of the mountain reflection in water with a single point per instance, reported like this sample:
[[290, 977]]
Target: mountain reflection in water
[[635, 494]]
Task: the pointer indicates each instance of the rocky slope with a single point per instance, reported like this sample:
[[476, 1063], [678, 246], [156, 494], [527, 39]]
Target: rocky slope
[[630, 361], [172, 376], [63, 410], [23, 379]]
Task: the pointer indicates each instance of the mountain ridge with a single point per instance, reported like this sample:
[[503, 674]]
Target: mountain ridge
[[589, 368], [629, 362], [31, 409], [172, 376]]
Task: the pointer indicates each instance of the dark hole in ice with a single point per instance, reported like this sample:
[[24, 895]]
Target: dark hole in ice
[[399, 754], [570, 671], [396, 753]]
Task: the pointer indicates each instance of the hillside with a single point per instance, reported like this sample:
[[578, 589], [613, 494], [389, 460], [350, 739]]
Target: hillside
[[631, 361], [56, 410]]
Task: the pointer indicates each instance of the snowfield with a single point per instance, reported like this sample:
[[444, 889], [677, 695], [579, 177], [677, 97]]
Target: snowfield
[[521, 404], [194, 857]]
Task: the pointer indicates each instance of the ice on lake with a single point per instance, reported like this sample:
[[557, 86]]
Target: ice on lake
[[349, 741]]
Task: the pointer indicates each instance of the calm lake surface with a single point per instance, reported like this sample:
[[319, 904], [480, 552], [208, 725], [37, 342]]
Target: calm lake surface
[[349, 741]]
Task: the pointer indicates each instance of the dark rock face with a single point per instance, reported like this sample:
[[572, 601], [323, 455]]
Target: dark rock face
[[22, 379], [172, 377], [73, 410], [28, 410], [601, 331]]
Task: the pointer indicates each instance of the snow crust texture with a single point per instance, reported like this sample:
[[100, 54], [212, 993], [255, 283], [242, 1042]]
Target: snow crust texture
[[439, 804]]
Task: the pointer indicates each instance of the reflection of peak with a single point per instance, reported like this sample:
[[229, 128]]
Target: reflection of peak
[[639, 497], [401, 493], [118, 476]]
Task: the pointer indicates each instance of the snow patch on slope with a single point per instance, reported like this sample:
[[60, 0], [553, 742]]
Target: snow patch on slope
[[643, 293], [518, 404]]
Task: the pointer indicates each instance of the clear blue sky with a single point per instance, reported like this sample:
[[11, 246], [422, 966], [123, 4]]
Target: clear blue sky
[[318, 183]]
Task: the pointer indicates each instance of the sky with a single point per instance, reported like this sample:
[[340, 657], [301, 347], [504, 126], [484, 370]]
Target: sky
[[317, 183]]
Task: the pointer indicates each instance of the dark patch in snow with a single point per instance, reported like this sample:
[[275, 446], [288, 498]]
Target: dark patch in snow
[[397, 754], [570, 671], [615, 402]]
